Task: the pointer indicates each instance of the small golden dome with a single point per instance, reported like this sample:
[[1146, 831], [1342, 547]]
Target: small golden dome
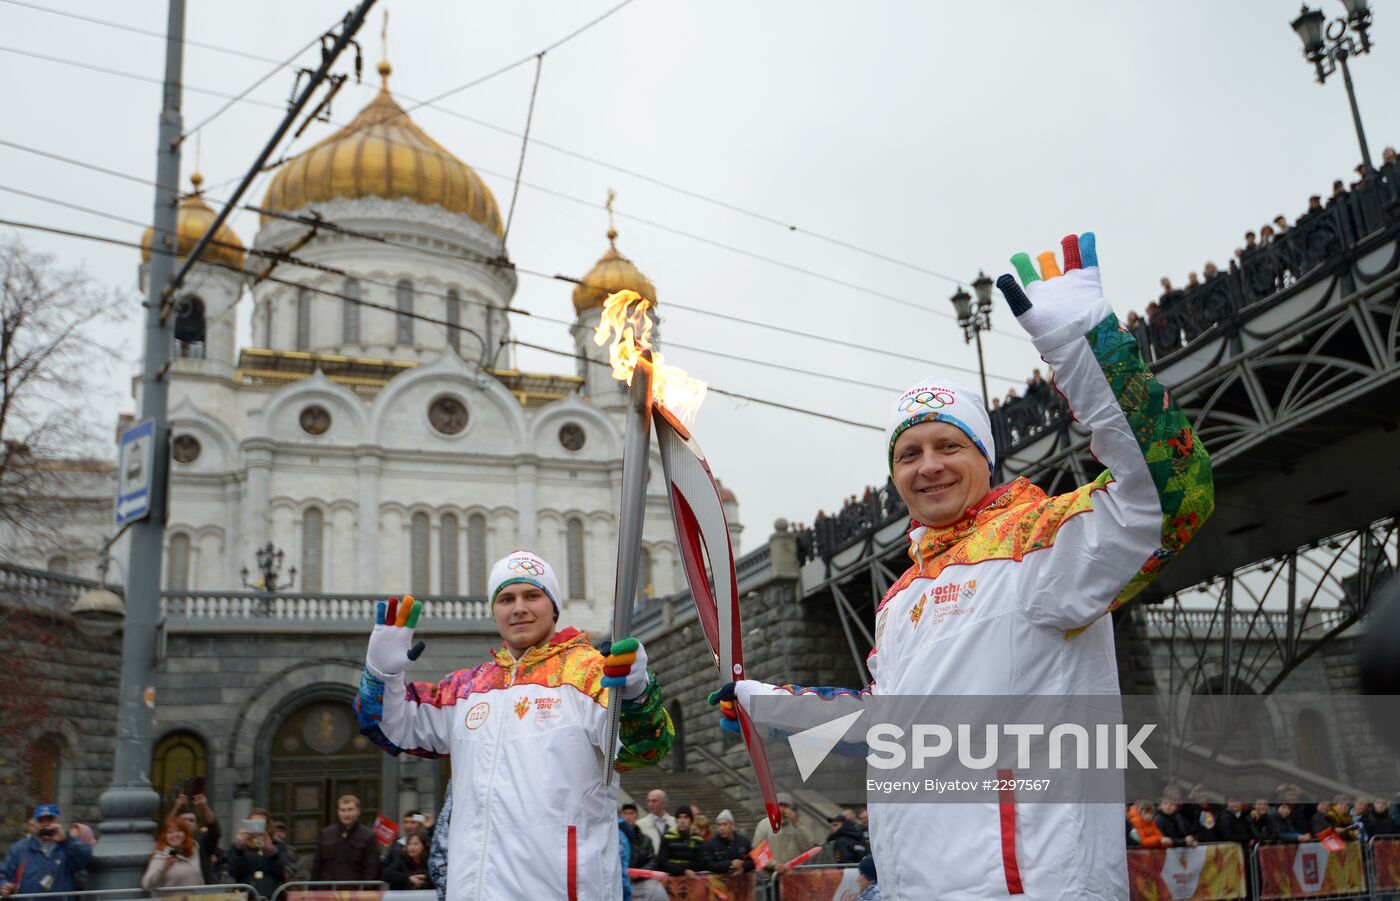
[[192, 221], [612, 273], [382, 153]]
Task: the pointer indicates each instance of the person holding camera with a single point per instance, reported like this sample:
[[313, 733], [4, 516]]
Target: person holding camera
[[255, 858], [175, 861], [49, 860]]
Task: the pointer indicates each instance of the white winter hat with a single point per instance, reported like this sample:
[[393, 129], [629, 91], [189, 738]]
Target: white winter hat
[[724, 815], [524, 567], [936, 399]]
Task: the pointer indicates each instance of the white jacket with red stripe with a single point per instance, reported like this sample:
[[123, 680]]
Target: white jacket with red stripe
[[1010, 601], [531, 816]]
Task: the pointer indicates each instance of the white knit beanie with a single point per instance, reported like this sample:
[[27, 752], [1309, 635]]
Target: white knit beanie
[[524, 567], [936, 399]]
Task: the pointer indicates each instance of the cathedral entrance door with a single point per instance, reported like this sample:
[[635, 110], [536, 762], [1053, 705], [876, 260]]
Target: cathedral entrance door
[[317, 756]]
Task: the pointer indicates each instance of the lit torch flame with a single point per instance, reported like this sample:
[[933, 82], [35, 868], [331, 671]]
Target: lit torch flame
[[626, 323]]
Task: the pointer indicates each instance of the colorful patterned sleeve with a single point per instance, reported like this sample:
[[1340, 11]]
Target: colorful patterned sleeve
[[417, 723], [646, 731], [1111, 537]]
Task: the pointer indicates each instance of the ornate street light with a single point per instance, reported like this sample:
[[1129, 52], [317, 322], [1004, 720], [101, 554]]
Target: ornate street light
[[1328, 46], [976, 319], [270, 566]]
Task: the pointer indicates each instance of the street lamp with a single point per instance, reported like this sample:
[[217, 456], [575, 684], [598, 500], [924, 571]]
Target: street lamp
[[976, 319], [1328, 45], [270, 565]]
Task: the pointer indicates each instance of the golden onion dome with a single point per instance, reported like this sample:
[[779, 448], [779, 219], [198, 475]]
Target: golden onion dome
[[191, 222], [382, 153], [612, 273]]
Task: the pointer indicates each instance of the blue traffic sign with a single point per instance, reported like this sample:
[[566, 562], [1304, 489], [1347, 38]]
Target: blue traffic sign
[[135, 469]]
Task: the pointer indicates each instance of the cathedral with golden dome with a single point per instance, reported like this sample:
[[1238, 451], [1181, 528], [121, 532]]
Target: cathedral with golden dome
[[375, 431]]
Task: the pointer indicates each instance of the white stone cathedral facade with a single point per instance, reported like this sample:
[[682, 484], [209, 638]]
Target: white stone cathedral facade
[[380, 453]]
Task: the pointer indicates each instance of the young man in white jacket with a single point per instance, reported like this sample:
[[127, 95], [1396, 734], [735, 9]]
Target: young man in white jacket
[[1008, 588], [526, 731]]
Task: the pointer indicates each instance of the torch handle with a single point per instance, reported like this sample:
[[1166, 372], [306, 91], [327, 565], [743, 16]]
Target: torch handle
[[635, 463]]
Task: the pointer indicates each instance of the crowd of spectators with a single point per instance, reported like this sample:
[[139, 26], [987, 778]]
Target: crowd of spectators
[[685, 842], [1178, 315], [1177, 821]]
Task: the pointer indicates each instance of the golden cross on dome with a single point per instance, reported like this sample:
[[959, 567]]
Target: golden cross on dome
[[384, 67], [612, 229]]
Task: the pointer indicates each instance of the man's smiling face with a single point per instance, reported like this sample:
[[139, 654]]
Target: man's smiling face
[[939, 472], [524, 615]]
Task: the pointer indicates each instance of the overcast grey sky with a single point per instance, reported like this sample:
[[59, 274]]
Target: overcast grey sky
[[945, 135]]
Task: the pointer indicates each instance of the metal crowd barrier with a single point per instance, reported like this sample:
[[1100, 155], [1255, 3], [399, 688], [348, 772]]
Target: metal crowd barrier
[[813, 882], [1285, 870], [331, 890], [232, 890], [1211, 871]]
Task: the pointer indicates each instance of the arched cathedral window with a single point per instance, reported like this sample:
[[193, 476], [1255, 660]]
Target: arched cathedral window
[[644, 586], [419, 573], [476, 555], [454, 319], [312, 530], [574, 540], [189, 327], [404, 297], [350, 312], [177, 577], [448, 555], [303, 319]]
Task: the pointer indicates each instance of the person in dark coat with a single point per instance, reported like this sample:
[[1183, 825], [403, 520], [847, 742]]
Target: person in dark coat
[[727, 851], [407, 867], [680, 848], [1174, 826], [255, 858], [1233, 825], [346, 851], [845, 841]]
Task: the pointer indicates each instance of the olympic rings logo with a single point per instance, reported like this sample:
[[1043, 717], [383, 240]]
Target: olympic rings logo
[[527, 566], [935, 399]]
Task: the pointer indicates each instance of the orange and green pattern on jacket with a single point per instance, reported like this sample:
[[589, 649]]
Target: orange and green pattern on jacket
[[1176, 459]]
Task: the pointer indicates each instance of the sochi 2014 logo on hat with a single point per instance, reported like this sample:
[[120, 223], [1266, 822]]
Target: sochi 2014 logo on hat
[[930, 399], [527, 566]]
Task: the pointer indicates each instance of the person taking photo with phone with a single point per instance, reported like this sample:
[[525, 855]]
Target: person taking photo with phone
[[175, 861], [49, 860], [255, 858]]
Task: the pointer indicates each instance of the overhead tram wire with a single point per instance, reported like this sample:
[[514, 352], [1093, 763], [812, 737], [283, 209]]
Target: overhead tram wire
[[291, 260], [242, 95], [1015, 336], [316, 222], [103, 239], [431, 104]]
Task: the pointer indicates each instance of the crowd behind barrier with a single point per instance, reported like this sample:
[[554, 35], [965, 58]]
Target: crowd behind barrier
[[1205, 307]]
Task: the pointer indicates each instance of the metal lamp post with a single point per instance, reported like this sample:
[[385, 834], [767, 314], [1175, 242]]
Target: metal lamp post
[[1328, 46], [269, 558], [976, 319]]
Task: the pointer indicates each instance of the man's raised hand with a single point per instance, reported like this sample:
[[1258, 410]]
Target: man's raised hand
[[391, 644], [1053, 299]]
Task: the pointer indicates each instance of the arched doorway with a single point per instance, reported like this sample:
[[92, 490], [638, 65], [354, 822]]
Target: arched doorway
[[178, 757], [317, 755]]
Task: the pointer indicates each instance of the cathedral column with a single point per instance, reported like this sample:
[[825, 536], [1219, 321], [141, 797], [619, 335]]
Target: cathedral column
[[369, 461], [232, 540], [527, 474], [257, 457]]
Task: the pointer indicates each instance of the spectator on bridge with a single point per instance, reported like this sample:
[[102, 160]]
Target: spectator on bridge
[[347, 850], [255, 858], [407, 867], [1210, 270], [1250, 245], [679, 853], [1193, 281], [1280, 225], [1283, 825], [46, 860], [727, 851], [1266, 236], [1173, 825], [175, 862], [1339, 190], [657, 822], [209, 836]]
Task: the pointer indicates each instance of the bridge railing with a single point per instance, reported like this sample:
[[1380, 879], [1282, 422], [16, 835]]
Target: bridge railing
[[1323, 239]]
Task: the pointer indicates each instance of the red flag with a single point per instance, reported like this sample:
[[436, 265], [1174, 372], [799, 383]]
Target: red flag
[[805, 856], [762, 855], [385, 830], [1331, 840]]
